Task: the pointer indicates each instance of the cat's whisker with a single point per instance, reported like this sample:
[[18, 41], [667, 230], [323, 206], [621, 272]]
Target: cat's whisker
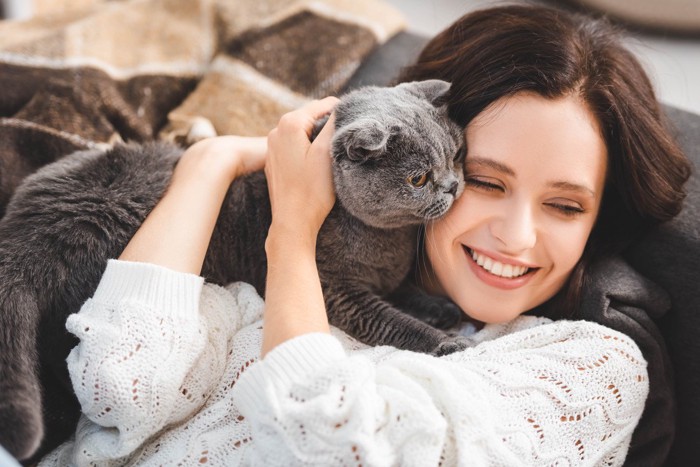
[[420, 233], [440, 257], [432, 276], [421, 258]]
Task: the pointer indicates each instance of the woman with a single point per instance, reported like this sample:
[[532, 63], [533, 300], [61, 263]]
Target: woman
[[566, 159]]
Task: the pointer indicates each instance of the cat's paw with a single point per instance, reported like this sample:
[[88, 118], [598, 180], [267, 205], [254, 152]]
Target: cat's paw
[[452, 344], [439, 312], [444, 314], [435, 310]]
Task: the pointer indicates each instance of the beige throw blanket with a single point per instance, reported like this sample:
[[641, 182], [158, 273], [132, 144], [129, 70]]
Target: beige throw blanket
[[137, 70]]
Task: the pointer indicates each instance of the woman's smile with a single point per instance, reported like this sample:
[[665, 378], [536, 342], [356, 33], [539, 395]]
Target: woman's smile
[[503, 274]]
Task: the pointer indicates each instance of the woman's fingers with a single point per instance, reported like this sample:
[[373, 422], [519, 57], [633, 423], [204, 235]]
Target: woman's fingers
[[298, 172], [306, 117], [320, 149], [289, 144]]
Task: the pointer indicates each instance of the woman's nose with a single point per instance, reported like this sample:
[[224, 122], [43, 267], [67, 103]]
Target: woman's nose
[[515, 229]]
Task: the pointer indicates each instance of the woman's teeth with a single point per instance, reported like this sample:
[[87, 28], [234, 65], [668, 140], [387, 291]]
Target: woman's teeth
[[498, 269]]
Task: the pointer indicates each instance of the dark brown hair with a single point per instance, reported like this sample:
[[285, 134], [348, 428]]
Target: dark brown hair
[[498, 52]]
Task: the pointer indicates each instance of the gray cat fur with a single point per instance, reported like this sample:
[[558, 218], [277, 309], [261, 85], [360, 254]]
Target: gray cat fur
[[66, 220]]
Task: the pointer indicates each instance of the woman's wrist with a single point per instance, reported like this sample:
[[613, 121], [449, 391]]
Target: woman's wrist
[[290, 239], [206, 161], [222, 159], [292, 307]]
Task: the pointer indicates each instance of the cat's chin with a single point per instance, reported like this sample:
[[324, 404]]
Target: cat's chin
[[436, 211], [394, 222], [437, 214]]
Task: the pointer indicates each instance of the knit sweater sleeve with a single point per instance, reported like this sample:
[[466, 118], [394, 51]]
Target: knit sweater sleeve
[[563, 393], [153, 345]]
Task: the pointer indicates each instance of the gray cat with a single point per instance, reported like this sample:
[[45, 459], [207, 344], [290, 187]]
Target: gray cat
[[397, 164]]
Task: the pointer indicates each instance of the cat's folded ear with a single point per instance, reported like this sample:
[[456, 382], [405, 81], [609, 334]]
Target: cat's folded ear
[[433, 90], [362, 140]]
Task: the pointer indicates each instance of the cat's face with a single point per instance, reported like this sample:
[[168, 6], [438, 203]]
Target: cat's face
[[398, 157]]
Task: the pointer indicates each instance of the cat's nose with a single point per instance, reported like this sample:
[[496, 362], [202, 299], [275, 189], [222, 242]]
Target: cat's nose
[[452, 188]]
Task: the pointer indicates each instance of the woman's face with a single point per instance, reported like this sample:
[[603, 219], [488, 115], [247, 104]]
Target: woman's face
[[535, 171]]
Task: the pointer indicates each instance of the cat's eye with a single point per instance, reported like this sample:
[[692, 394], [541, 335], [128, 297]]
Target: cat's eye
[[418, 181]]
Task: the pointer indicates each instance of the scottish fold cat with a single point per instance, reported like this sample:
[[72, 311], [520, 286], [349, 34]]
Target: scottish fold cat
[[396, 165]]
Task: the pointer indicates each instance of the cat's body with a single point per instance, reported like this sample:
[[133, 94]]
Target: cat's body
[[65, 221]]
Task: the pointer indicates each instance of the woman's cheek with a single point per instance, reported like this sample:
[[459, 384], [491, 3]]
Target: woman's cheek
[[570, 241]]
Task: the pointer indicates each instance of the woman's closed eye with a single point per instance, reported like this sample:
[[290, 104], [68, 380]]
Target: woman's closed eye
[[483, 183], [567, 209]]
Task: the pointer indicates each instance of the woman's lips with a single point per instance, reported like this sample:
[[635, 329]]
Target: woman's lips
[[496, 277]]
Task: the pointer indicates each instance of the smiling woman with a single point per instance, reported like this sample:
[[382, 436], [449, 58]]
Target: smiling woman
[[534, 173], [568, 159]]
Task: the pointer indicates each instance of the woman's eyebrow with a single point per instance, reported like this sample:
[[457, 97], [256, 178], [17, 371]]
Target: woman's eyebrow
[[490, 163], [575, 187]]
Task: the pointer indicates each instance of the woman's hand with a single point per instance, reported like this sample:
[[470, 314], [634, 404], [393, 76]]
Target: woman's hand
[[301, 193], [298, 172], [177, 231], [222, 158]]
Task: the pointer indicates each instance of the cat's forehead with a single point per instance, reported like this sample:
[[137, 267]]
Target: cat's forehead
[[413, 125], [417, 150]]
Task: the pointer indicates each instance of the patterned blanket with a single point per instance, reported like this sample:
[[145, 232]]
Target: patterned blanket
[[136, 70]]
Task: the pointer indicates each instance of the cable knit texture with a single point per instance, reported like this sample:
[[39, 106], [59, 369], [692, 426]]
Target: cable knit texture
[[168, 372]]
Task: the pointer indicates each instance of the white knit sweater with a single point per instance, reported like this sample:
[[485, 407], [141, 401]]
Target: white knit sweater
[[168, 373]]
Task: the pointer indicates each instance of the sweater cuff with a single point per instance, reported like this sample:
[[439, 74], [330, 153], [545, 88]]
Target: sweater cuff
[[290, 362], [152, 285]]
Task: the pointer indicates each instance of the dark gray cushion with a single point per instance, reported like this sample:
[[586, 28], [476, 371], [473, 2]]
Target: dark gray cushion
[[383, 66], [668, 256]]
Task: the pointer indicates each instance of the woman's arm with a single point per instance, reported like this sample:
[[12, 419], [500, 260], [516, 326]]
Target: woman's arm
[[177, 232], [301, 194], [567, 393], [152, 347], [150, 352]]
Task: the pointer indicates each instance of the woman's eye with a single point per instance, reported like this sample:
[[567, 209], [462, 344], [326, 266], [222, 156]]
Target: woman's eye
[[418, 181], [567, 210], [482, 184]]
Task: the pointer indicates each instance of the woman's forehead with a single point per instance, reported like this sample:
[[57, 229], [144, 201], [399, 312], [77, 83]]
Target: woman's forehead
[[532, 136]]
